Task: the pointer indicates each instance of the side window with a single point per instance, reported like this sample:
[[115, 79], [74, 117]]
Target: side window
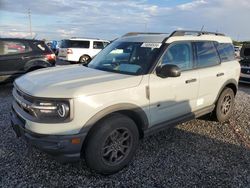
[[226, 51], [206, 54], [98, 45], [79, 44], [180, 54], [13, 47]]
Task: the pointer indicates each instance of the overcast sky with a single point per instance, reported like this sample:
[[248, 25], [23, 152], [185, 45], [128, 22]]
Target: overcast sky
[[57, 19]]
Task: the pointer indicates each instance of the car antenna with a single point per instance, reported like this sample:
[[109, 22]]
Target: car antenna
[[35, 36], [202, 28]]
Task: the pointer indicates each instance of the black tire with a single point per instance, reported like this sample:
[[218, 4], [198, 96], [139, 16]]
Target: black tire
[[112, 144], [224, 105], [85, 59]]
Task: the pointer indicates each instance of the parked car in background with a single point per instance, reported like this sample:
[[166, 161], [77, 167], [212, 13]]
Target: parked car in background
[[19, 56], [139, 84], [245, 63], [237, 51], [80, 50]]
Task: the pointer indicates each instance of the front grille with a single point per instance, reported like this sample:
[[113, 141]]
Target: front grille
[[245, 63], [245, 70], [23, 100], [245, 79]]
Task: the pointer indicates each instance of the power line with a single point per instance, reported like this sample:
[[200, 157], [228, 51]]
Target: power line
[[29, 14]]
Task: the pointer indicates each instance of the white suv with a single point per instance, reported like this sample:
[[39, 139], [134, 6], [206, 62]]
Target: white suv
[[80, 50], [139, 84]]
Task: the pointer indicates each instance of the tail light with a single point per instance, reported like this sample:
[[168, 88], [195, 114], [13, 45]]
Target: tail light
[[69, 51], [50, 57]]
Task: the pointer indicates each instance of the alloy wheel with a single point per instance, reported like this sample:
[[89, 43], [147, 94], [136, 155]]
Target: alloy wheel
[[117, 146]]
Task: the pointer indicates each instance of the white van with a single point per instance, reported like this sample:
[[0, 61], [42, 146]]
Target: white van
[[80, 50]]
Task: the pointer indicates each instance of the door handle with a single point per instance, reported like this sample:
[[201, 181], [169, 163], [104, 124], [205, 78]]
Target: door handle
[[25, 57], [220, 74], [191, 80]]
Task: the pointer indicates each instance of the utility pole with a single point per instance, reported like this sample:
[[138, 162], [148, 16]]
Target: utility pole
[[238, 37], [29, 14]]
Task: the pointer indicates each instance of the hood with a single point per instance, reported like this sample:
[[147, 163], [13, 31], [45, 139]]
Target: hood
[[73, 81]]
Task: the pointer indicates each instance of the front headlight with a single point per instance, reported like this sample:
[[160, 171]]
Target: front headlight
[[52, 111]]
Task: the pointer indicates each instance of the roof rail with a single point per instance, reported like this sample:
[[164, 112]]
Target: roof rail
[[84, 38], [141, 33], [198, 33]]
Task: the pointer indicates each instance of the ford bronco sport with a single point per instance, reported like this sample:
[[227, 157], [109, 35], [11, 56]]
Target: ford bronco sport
[[139, 84]]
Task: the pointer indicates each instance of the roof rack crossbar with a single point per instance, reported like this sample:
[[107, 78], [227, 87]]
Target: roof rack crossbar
[[141, 33], [199, 33]]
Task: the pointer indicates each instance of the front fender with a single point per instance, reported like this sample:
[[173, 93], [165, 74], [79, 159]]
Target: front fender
[[116, 108]]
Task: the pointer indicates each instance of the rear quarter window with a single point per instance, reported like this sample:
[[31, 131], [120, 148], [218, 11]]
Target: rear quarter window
[[14, 47], [226, 51]]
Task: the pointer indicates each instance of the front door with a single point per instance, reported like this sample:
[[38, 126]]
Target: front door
[[173, 97]]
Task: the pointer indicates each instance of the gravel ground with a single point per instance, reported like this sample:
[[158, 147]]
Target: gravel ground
[[194, 154]]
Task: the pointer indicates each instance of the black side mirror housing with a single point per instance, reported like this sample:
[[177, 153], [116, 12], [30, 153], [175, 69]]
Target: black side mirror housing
[[168, 70]]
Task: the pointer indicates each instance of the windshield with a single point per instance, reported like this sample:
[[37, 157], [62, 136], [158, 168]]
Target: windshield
[[133, 58]]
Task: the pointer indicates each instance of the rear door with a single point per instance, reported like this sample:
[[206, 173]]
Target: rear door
[[13, 56], [212, 74], [72, 50]]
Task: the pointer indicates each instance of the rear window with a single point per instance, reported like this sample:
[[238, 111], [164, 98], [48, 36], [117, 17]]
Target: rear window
[[206, 54], [74, 44], [13, 47], [226, 51]]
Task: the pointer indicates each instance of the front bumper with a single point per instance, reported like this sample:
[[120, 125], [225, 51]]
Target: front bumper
[[59, 147], [244, 80]]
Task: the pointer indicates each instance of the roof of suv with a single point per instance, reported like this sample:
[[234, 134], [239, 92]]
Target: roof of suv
[[175, 36], [84, 39]]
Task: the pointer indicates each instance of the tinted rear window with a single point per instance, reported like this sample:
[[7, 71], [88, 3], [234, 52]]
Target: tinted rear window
[[75, 44], [206, 54], [226, 51]]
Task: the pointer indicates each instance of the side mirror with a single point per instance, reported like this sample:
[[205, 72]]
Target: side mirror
[[168, 70]]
